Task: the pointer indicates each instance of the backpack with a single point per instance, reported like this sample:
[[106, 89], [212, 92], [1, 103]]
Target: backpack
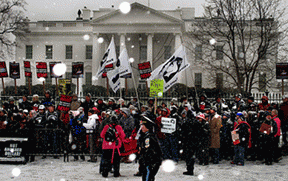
[[111, 134]]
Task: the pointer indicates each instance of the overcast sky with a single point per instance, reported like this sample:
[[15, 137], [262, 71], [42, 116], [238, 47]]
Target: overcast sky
[[67, 9]]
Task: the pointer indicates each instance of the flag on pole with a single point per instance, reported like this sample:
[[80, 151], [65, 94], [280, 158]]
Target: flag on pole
[[169, 70], [114, 79], [108, 58], [123, 63]]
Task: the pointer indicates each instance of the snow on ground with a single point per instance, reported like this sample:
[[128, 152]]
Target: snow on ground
[[56, 170]]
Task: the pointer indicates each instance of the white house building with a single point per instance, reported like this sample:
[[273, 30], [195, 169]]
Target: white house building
[[148, 34]]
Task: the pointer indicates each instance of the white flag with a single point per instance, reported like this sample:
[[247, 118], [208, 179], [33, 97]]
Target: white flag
[[108, 58], [123, 63], [170, 70], [114, 79]]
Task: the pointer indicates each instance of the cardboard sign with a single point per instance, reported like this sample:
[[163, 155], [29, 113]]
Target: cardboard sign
[[144, 70], [282, 71], [64, 104], [77, 69], [3, 69], [168, 125], [41, 69], [13, 149], [14, 70], [107, 69], [156, 88], [51, 66], [64, 86], [27, 69]]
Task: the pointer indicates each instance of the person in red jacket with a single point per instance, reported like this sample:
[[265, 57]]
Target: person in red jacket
[[277, 152], [264, 105], [111, 150]]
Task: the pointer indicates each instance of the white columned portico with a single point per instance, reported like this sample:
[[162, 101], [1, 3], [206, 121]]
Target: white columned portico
[[122, 46], [150, 49]]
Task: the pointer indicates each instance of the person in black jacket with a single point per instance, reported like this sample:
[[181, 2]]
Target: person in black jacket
[[204, 140], [25, 104], [269, 138], [150, 150], [190, 137], [87, 104], [47, 99]]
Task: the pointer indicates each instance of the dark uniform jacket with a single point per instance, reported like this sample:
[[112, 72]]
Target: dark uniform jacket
[[150, 149]]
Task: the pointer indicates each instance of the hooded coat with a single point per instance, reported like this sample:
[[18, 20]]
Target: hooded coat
[[128, 123]]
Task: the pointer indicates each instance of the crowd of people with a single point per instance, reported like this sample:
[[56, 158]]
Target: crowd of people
[[206, 131]]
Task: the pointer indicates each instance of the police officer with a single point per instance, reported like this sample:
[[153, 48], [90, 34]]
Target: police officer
[[150, 150], [190, 135]]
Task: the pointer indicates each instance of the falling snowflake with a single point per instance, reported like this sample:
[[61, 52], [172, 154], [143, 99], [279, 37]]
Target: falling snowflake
[[16, 172], [132, 157], [168, 166]]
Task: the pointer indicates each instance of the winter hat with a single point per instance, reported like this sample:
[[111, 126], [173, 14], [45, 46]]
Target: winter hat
[[174, 100], [41, 107], [96, 110], [164, 109], [202, 116], [126, 111], [91, 111], [144, 106], [145, 120], [121, 100], [131, 107], [265, 98], [184, 112], [226, 114]]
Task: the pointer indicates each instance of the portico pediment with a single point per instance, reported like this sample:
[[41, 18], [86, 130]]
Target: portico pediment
[[139, 14]]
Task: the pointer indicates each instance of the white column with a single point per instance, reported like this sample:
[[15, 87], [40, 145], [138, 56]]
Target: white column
[[182, 75], [150, 49], [122, 46], [177, 41], [96, 58]]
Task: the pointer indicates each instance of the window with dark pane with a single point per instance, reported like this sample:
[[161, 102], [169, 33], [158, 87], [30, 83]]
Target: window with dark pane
[[198, 52], [198, 80], [27, 81], [143, 53], [49, 52], [48, 79], [69, 52], [219, 80], [167, 52], [117, 51], [219, 53], [29, 51], [89, 51], [88, 78], [262, 82]]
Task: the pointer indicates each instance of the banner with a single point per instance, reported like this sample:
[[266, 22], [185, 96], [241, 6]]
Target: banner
[[144, 70], [114, 79], [41, 69], [169, 71], [14, 70], [3, 69], [124, 65], [51, 66], [77, 69], [168, 125], [64, 86], [282, 71], [156, 86], [64, 104], [107, 69], [27, 69], [108, 58], [13, 149]]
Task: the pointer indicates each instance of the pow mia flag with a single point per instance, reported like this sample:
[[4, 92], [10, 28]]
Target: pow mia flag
[[108, 58], [114, 79], [169, 70], [124, 67]]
